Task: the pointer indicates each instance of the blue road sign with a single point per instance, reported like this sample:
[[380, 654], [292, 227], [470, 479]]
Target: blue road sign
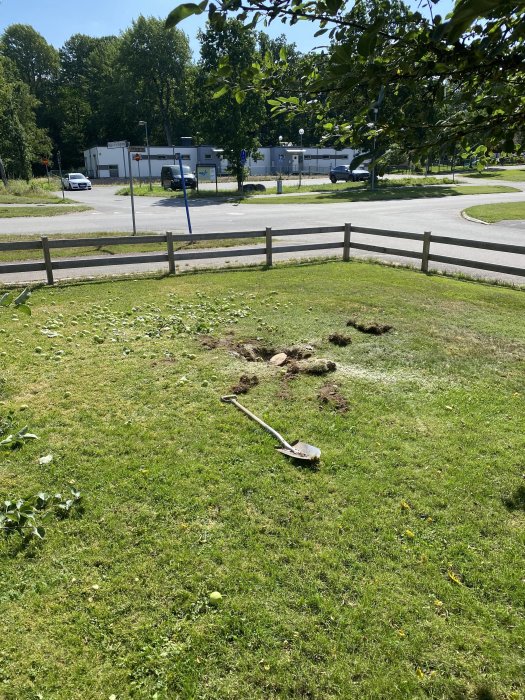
[[243, 157]]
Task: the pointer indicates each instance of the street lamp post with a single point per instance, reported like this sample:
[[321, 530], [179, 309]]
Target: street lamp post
[[375, 110], [145, 125], [301, 133]]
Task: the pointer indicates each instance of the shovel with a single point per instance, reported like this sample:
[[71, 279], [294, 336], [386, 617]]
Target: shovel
[[296, 450]]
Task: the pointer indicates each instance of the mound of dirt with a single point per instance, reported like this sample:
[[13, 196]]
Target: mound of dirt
[[317, 366], [329, 395], [301, 351], [372, 328], [340, 339], [245, 384]]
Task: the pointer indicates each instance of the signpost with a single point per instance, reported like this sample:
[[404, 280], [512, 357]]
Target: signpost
[[183, 180], [243, 162], [207, 173], [123, 145], [131, 193], [137, 158]]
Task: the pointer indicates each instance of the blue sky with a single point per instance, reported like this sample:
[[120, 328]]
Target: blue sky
[[57, 20]]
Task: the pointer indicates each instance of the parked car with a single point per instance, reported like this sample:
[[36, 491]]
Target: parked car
[[76, 181], [343, 172], [170, 177]]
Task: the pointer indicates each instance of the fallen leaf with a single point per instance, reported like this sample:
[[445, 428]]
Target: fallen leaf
[[46, 460]]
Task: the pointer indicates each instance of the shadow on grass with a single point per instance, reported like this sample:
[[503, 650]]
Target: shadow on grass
[[516, 501]]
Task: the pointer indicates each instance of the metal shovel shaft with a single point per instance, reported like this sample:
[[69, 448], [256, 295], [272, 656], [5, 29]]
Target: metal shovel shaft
[[233, 399]]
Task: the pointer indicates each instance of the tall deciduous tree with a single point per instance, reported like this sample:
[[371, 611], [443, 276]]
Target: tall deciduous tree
[[21, 141], [232, 121], [157, 62]]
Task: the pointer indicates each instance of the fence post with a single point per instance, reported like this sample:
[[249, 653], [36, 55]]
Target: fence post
[[268, 247], [47, 260], [426, 251], [171, 252], [346, 243]]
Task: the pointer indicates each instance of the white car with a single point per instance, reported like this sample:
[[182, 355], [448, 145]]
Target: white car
[[76, 181]]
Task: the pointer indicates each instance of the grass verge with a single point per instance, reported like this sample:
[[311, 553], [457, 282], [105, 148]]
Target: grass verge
[[362, 194], [32, 211], [21, 255], [394, 571], [492, 213], [500, 174]]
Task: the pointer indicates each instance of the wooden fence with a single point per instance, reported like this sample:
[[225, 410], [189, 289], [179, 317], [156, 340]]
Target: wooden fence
[[171, 257]]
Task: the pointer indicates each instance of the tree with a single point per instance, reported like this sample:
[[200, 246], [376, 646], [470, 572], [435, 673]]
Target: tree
[[157, 62], [232, 120], [35, 60], [479, 50], [21, 141]]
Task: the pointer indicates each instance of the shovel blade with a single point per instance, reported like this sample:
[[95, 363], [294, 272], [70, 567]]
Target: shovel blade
[[303, 451]]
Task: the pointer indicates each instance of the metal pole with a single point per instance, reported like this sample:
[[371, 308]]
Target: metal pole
[[124, 159], [131, 194], [374, 165], [183, 180], [59, 159], [149, 157]]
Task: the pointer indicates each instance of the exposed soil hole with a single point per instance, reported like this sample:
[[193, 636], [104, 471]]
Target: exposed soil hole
[[340, 339], [253, 352], [372, 328], [316, 366], [329, 395], [245, 384]]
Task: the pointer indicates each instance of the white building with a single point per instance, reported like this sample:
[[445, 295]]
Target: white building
[[103, 162]]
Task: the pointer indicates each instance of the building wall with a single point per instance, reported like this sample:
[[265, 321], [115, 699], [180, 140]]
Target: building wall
[[102, 162]]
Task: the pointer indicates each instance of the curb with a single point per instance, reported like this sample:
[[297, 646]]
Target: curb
[[471, 218]]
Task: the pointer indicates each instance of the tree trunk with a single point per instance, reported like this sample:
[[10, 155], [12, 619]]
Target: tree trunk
[[3, 175]]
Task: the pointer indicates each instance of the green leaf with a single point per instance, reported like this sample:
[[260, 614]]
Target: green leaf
[[23, 297], [222, 91], [5, 299], [239, 96], [183, 11], [38, 532]]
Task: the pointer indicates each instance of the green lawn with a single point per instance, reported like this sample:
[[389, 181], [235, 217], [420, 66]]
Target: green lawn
[[393, 571], [306, 186], [492, 213], [20, 255], [363, 194], [500, 174], [20, 199], [7, 212]]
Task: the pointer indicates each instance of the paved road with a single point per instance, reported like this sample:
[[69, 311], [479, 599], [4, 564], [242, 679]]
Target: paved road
[[440, 215]]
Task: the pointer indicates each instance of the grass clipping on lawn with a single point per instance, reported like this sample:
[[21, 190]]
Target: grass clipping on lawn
[[393, 571]]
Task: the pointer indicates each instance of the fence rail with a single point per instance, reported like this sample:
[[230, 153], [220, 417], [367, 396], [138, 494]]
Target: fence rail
[[268, 249]]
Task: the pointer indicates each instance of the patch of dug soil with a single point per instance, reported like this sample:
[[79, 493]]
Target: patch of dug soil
[[253, 351], [316, 366], [371, 328], [329, 395], [299, 352], [340, 339], [245, 384]]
